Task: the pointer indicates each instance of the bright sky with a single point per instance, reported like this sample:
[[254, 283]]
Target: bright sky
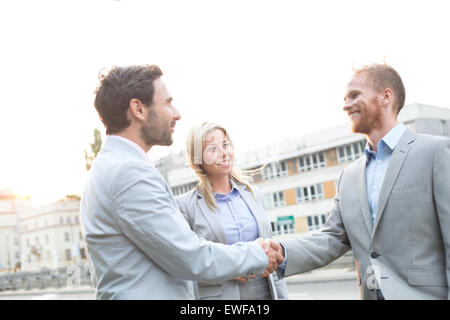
[[265, 70]]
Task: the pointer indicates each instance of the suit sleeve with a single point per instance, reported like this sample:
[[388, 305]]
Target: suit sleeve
[[441, 190], [183, 210], [148, 217], [315, 251]]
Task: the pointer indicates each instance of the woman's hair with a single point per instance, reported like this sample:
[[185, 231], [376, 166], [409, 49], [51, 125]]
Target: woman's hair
[[194, 152]]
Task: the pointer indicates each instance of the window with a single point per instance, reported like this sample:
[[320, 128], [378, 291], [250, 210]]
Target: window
[[68, 255], [274, 170], [268, 172], [61, 220], [17, 255], [351, 151], [68, 220], [83, 253], [278, 199], [312, 161], [273, 200], [274, 228], [279, 229], [444, 128], [308, 163], [76, 220], [81, 237], [311, 192], [322, 159], [66, 237], [316, 222], [46, 239]]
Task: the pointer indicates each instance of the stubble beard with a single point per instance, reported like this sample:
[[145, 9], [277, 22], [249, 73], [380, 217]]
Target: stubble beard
[[155, 132], [367, 122]]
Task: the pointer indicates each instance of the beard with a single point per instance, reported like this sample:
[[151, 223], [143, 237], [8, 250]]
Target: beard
[[368, 121], [156, 131]]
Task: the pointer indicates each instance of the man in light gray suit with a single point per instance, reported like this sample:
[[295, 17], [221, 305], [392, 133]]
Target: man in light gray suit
[[392, 206], [138, 243]]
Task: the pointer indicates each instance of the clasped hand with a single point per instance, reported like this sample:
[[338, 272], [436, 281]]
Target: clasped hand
[[274, 252]]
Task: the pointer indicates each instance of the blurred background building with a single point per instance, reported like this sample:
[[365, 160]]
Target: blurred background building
[[50, 236], [10, 253]]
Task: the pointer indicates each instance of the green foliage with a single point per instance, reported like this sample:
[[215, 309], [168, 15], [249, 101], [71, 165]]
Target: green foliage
[[95, 149]]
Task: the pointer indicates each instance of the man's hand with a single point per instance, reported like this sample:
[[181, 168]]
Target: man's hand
[[245, 279], [274, 252]]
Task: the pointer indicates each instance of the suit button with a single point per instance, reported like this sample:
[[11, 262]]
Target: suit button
[[374, 255]]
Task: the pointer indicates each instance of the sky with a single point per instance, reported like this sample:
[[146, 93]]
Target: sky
[[265, 70]]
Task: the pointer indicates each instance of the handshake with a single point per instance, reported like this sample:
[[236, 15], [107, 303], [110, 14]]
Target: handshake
[[274, 252]]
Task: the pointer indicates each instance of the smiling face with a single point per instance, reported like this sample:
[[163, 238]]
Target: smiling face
[[218, 154], [361, 102]]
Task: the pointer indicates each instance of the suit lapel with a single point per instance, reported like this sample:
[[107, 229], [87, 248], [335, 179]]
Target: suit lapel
[[255, 209], [213, 220], [395, 164], [363, 201]]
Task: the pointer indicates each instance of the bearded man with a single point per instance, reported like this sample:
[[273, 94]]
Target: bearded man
[[139, 245], [392, 206]]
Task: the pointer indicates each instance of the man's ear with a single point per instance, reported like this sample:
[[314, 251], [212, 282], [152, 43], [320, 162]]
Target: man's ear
[[387, 98], [137, 109]]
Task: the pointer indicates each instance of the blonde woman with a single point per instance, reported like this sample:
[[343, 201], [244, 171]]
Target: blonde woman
[[225, 208]]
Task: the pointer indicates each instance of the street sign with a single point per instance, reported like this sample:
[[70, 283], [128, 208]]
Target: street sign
[[285, 220]]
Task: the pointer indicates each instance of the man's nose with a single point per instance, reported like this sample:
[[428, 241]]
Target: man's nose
[[176, 114], [347, 105]]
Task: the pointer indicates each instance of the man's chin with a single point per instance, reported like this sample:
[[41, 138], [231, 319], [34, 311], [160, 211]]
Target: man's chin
[[166, 142], [358, 128]]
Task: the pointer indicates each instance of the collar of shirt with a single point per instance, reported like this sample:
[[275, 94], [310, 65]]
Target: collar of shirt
[[234, 192], [132, 144], [387, 144]]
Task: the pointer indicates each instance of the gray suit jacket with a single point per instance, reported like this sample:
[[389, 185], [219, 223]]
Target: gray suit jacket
[[139, 245], [406, 253], [206, 224]]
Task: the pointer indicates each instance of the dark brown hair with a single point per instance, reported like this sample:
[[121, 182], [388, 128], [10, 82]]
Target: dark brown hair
[[118, 87], [384, 76]]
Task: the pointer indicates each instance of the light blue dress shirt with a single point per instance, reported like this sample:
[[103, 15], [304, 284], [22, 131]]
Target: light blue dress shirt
[[377, 164], [236, 218]]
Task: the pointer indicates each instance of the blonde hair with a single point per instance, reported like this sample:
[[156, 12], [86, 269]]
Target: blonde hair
[[194, 152]]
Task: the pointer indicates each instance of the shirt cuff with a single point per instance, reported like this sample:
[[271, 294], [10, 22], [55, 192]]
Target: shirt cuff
[[282, 267]]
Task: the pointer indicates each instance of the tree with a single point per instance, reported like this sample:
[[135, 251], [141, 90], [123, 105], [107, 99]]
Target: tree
[[95, 149], [71, 197]]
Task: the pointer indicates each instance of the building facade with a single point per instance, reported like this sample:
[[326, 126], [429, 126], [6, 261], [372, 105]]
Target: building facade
[[50, 236], [299, 179], [10, 254]]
